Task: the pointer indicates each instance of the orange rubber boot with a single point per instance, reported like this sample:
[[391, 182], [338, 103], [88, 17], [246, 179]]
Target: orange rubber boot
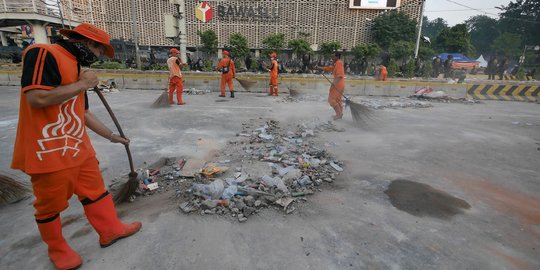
[[60, 253], [102, 216]]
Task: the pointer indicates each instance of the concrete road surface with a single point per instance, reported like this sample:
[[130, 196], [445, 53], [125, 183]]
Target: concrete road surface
[[484, 154]]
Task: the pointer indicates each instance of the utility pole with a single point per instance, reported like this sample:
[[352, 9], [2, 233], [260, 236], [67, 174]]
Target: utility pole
[[419, 30], [181, 38], [61, 14], [135, 33]]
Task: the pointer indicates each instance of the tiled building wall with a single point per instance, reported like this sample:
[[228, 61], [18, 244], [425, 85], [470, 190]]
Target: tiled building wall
[[325, 20]]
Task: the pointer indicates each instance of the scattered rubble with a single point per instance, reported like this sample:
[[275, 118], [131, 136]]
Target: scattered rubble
[[194, 91], [268, 165]]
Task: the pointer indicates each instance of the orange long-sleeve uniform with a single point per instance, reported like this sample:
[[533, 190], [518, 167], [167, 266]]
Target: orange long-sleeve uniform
[[175, 79], [335, 93], [274, 78], [226, 77], [383, 73]]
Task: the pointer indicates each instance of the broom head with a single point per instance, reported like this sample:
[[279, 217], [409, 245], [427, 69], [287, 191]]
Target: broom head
[[11, 190], [127, 189], [162, 101], [361, 114], [246, 84]]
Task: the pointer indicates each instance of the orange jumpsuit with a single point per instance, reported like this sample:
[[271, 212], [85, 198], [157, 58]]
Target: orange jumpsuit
[[335, 93], [175, 79], [226, 78], [274, 78], [52, 145], [383, 73]]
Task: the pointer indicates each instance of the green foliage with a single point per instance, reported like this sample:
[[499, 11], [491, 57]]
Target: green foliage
[[522, 17], [401, 49], [434, 27], [392, 68], [328, 48], [520, 75], [508, 44], [409, 69], [483, 30], [365, 50], [428, 69], [454, 40], [299, 46], [207, 65], [392, 27], [239, 45], [209, 41], [107, 65], [274, 43], [425, 51]]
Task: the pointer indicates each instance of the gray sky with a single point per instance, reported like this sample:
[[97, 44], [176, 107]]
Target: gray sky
[[453, 13]]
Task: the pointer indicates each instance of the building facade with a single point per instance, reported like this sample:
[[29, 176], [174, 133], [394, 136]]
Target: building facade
[[322, 20]]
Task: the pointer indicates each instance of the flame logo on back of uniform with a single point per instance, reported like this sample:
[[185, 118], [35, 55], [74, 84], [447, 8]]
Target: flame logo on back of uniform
[[203, 12], [65, 134]]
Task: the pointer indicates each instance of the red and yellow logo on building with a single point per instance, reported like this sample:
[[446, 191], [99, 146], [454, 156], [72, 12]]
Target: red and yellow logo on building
[[203, 12]]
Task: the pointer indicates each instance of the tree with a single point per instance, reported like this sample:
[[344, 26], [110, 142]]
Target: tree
[[393, 26], [239, 45], [434, 27], [366, 50], [483, 30], [508, 44], [454, 40], [328, 48], [401, 50], [209, 41], [299, 46], [425, 52], [522, 18], [274, 43]]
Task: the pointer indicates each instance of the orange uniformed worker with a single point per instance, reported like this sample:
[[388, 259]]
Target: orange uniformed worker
[[273, 68], [383, 73], [175, 77], [335, 93], [228, 72], [52, 145]]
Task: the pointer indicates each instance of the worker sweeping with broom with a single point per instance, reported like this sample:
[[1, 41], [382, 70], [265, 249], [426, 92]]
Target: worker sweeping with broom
[[337, 87], [228, 73], [52, 145], [273, 69], [175, 77]]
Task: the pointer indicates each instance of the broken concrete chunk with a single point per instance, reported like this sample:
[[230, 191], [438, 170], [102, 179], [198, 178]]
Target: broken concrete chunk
[[336, 167]]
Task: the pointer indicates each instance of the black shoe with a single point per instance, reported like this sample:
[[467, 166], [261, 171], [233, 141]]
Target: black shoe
[[232, 94]]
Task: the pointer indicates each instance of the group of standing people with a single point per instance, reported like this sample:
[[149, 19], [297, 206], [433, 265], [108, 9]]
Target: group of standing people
[[496, 67]]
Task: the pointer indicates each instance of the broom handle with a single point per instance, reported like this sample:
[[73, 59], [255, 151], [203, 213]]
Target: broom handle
[[335, 88], [106, 104]]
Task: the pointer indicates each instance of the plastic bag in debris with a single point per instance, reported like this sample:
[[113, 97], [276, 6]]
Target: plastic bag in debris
[[274, 182], [229, 192], [212, 169], [213, 190]]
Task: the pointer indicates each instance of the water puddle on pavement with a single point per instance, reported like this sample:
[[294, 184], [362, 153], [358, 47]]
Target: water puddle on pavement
[[423, 200]]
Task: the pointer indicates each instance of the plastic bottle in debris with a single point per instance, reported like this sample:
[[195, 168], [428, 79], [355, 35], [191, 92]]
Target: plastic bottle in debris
[[304, 181], [229, 192], [209, 191]]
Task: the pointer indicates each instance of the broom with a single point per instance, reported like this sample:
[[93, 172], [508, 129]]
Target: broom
[[162, 101], [129, 188], [11, 190], [360, 113], [245, 83]]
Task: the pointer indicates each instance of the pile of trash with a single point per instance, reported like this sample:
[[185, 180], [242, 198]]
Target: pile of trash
[[393, 103], [427, 93], [194, 91], [108, 86], [294, 98], [266, 165]]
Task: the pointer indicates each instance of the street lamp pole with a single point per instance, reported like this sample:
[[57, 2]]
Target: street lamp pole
[[135, 34], [419, 30]]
